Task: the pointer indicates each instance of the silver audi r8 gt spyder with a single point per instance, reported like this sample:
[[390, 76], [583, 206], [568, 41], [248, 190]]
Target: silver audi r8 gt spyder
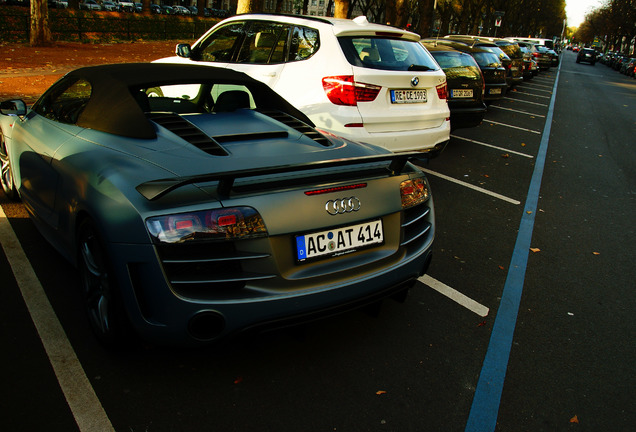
[[196, 203]]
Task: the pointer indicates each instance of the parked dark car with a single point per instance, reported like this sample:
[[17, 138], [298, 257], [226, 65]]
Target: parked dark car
[[205, 204], [554, 57], [587, 55], [465, 85], [543, 57], [628, 67], [90, 5], [514, 67], [527, 49], [491, 67], [516, 56]]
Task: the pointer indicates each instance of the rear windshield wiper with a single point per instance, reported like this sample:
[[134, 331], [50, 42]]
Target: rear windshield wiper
[[420, 68]]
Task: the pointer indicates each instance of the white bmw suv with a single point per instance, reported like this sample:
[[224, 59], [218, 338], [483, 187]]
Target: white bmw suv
[[367, 82]]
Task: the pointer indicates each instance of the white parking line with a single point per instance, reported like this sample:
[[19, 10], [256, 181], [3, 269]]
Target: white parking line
[[533, 85], [470, 186], [455, 295], [80, 396], [528, 102], [536, 89], [534, 95], [492, 146], [514, 127], [517, 111]]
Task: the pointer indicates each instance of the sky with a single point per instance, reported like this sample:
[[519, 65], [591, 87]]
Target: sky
[[576, 10]]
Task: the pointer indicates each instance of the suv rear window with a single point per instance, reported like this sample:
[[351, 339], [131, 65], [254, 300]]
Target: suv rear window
[[512, 50], [487, 59], [456, 65], [385, 54]]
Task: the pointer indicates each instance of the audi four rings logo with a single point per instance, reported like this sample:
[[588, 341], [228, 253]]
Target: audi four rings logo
[[342, 206]]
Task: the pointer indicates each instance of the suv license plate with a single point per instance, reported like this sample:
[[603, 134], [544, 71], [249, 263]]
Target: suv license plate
[[461, 93], [339, 241], [494, 91], [408, 96]]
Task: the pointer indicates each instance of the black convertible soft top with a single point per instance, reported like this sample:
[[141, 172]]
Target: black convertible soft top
[[112, 108]]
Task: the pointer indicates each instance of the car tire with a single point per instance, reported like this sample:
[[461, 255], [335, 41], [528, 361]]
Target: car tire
[[102, 299], [6, 173]]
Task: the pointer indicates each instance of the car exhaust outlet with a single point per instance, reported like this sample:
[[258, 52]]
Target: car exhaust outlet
[[206, 326]]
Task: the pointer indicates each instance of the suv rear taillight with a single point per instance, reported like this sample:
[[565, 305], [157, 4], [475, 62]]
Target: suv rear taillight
[[442, 91], [343, 90]]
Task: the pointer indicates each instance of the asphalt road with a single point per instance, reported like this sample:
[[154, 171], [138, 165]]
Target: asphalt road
[[535, 230]]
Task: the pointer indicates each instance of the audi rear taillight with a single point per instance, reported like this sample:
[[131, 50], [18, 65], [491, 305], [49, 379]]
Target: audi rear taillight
[[442, 91], [344, 90], [413, 192], [221, 224]]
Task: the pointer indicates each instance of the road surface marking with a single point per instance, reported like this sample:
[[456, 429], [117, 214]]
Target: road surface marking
[[517, 111], [470, 186], [455, 295], [80, 395], [493, 146], [514, 127], [523, 101], [487, 398]]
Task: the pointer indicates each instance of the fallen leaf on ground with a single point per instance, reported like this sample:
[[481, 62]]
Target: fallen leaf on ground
[[596, 253], [574, 419], [380, 392], [535, 250]]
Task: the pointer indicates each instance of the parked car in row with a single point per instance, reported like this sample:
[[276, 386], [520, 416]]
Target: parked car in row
[[90, 5], [492, 70], [628, 67], [618, 61], [192, 218], [465, 83], [512, 61], [366, 82]]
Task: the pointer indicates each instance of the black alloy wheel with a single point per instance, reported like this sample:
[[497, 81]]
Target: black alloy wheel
[[6, 174], [102, 300]]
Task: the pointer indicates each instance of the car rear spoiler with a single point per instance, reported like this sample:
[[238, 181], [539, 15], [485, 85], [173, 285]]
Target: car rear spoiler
[[155, 189]]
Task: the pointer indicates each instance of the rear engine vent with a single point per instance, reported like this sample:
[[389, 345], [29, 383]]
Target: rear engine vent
[[298, 125], [189, 132]]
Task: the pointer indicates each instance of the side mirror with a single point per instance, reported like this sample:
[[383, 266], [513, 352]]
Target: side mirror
[[15, 107], [183, 50]]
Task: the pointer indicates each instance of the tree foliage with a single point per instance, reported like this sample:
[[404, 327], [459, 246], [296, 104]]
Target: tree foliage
[[613, 25]]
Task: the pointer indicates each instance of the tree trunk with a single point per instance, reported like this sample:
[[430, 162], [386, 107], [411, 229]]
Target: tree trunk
[[341, 9], [40, 34], [425, 9], [248, 6]]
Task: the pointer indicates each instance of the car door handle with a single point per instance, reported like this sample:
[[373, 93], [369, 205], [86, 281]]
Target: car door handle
[[270, 74]]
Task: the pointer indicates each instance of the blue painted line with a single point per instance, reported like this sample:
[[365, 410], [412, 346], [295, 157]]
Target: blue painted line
[[487, 398]]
